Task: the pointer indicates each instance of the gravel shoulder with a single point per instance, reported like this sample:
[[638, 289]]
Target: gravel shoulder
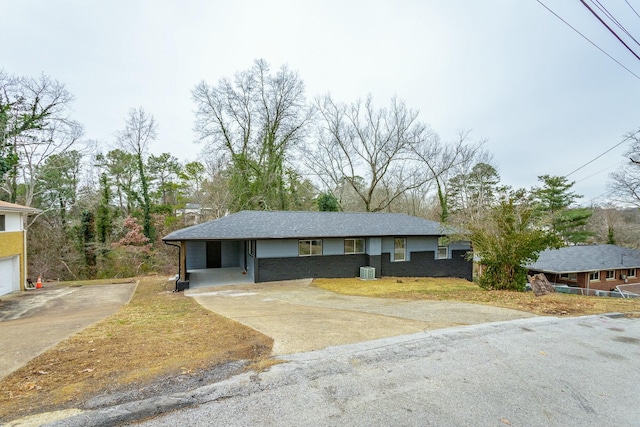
[[300, 317]]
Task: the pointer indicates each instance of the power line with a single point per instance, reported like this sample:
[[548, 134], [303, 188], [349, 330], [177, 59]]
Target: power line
[[587, 39], [597, 173], [596, 158], [634, 11], [584, 3], [613, 19]]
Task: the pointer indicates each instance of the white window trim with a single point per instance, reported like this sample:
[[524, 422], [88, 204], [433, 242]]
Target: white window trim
[[404, 249], [310, 246], [597, 273], [354, 239], [446, 255], [613, 277], [634, 272]]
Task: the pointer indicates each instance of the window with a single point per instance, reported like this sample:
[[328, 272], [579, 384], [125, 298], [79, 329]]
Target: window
[[309, 247], [594, 276], [353, 246], [611, 275], [631, 272], [399, 249], [252, 248], [443, 252], [443, 248], [569, 276], [2, 223]]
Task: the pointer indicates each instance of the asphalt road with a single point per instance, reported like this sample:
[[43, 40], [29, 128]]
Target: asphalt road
[[529, 372]]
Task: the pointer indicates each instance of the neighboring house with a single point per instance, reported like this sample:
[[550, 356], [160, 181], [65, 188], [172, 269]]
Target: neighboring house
[[277, 245], [13, 247], [193, 213], [598, 267]]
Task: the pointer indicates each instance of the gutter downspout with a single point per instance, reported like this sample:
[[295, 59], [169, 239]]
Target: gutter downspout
[[179, 266]]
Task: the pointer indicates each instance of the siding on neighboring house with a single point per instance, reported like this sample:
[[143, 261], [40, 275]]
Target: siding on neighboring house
[[604, 284], [12, 253]]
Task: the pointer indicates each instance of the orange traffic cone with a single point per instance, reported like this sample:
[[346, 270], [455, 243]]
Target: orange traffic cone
[[39, 283]]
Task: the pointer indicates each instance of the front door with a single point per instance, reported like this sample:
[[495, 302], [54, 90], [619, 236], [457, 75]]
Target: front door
[[214, 254]]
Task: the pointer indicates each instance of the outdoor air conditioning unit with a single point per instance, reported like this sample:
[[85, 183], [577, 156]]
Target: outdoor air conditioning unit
[[367, 273]]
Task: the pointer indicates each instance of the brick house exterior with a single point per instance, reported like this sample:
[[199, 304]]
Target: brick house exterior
[[597, 267]]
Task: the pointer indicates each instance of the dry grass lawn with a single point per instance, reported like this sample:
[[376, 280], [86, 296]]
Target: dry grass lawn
[[159, 333], [440, 289]]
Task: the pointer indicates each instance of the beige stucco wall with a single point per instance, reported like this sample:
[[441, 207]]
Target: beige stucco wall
[[12, 244]]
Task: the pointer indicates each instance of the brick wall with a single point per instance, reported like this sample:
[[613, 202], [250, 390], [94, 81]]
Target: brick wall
[[424, 264], [328, 266]]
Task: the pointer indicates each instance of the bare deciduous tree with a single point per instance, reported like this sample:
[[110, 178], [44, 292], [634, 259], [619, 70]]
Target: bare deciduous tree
[[445, 160], [624, 185], [254, 119], [139, 131], [371, 150], [34, 124]]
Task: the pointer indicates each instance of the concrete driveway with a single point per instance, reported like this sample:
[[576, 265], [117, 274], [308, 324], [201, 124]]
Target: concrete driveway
[[32, 322], [300, 317]]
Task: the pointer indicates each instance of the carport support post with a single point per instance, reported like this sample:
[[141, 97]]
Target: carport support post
[[183, 261]]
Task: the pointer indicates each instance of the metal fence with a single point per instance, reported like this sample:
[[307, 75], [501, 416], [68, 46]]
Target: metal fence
[[629, 291], [618, 293]]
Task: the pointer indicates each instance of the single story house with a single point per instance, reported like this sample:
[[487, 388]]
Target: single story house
[[278, 245], [597, 267], [13, 247]]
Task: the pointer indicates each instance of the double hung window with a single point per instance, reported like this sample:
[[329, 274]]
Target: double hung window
[[353, 246], [309, 247], [399, 249]]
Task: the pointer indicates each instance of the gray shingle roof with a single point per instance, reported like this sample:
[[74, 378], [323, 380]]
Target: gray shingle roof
[[574, 259], [280, 224]]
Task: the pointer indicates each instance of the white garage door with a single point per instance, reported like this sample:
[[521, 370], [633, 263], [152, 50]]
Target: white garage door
[[9, 275]]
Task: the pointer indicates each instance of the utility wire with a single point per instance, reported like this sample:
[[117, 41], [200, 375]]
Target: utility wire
[[634, 11], [596, 158], [597, 173], [613, 19], [587, 39], [609, 28]]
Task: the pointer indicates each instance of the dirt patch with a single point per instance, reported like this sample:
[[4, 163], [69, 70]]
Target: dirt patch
[[159, 341]]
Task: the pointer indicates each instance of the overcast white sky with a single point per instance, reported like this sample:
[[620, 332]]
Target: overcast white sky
[[544, 98]]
